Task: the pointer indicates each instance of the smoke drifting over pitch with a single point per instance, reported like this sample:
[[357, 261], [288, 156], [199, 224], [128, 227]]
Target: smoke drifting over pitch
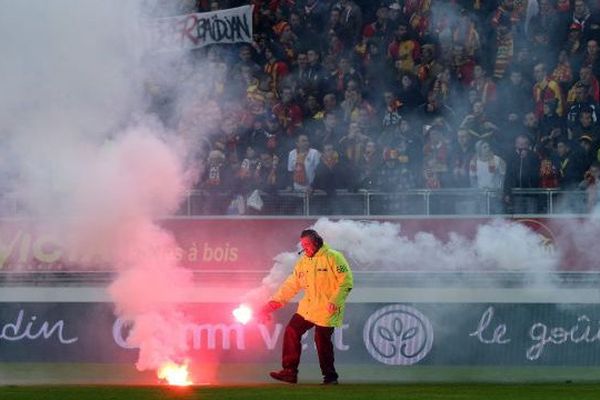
[[87, 163], [371, 246]]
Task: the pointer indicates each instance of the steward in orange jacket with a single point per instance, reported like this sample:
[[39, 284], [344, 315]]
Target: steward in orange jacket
[[326, 278]]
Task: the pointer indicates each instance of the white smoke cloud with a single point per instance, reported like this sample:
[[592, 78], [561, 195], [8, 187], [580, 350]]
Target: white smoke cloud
[[498, 246], [86, 162]]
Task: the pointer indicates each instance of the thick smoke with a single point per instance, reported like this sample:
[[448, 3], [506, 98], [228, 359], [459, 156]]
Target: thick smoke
[[371, 246], [84, 160]]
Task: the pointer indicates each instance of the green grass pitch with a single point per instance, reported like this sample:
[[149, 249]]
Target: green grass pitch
[[313, 392], [75, 381]]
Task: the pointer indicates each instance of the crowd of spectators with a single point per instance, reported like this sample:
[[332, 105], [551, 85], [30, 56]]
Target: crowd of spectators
[[392, 95]]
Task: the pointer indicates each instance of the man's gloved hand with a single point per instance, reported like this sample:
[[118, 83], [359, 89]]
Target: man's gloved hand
[[265, 312], [332, 308]]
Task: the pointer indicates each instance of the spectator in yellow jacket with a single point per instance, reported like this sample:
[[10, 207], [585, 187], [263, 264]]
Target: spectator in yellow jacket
[[326, 278]]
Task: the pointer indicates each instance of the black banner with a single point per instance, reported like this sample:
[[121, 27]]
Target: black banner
[[383, 334]]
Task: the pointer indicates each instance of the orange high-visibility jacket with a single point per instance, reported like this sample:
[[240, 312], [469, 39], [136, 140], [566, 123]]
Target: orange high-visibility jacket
[[325, 278]]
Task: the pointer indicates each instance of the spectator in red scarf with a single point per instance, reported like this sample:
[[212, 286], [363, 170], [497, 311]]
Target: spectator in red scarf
[[404, 48], [545, 89], [277, 70], [354, 104], [486, 170], [353, 143], [380, 29], [463, 65], [548, 171], [288, 112], [465, 35], [504, 51], [436, 159], [428, 69], [302, 164], [563, 73], [484, 86]]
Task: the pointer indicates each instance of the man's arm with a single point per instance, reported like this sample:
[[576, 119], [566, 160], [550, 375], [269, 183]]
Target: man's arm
[[288, 289]]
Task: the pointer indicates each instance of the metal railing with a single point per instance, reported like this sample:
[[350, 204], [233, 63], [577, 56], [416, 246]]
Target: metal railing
[[423, 202], [369, 278], [411, 202]]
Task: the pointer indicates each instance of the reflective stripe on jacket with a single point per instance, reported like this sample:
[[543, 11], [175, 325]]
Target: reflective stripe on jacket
[[325, 278]]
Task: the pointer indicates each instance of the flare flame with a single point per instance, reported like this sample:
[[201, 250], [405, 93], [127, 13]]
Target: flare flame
[[242, 314], [175, 374]]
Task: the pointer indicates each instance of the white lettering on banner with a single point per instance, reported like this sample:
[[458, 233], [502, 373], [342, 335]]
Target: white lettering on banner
[[205, 336], [270, 340], [211, 330], [484, 323], [540, 333], [118, 333], [192, 31], [43, 248], [544, 335], [201, 335], [6, 251], [338, 338], [15, 331]]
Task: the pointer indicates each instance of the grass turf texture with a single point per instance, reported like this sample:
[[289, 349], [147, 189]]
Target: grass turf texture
[[313, 392], [251, 374]]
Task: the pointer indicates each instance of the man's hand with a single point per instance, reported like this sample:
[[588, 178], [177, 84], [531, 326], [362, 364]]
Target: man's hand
[[270, 307], [332, 308], [264, 315]]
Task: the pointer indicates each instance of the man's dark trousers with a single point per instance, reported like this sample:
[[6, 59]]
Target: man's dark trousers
[[292, 348]]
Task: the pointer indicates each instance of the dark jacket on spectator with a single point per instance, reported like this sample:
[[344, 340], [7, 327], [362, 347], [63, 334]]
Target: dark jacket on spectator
[[330, 178], [571, 170], [522, 173]]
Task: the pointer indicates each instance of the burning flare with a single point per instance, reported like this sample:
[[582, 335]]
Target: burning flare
[[175, 374], [242, 314]]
